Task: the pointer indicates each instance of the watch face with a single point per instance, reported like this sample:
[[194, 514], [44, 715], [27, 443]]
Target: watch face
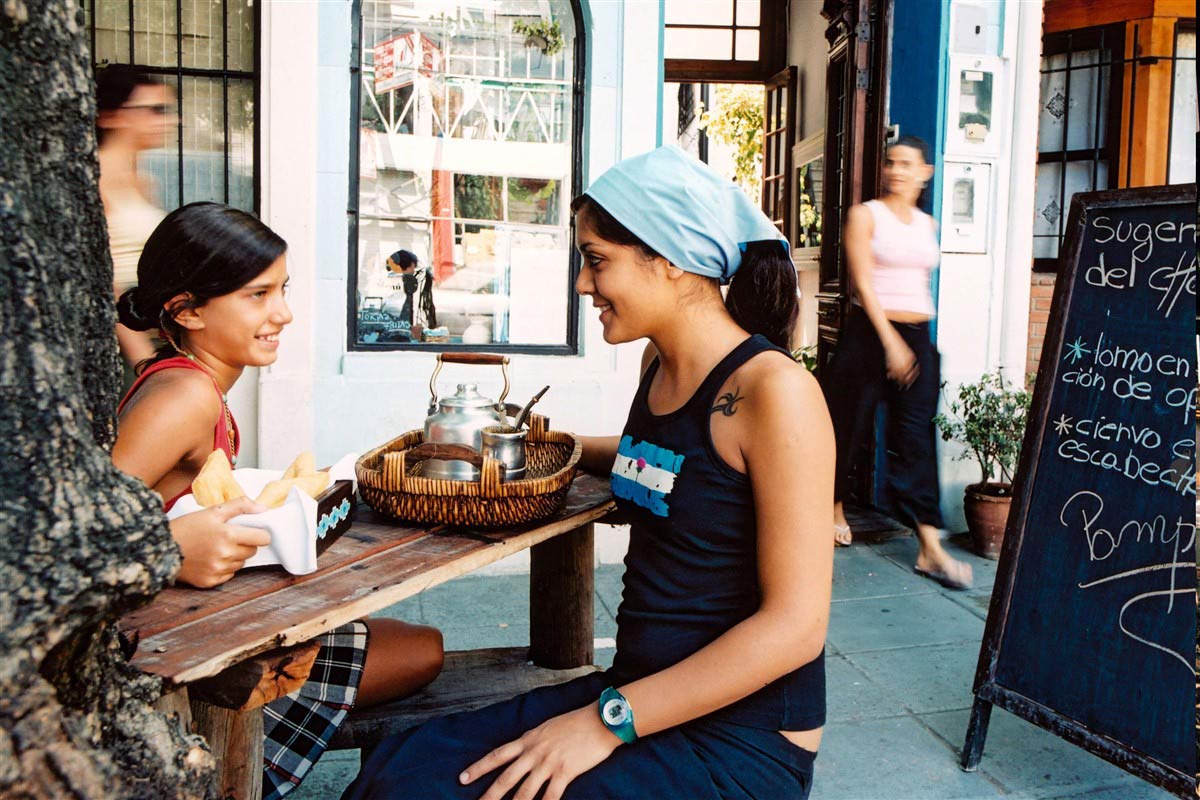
[[616, 712]]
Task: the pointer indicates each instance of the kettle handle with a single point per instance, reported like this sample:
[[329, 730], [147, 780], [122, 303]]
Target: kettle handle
[[487, 359], [483, 359]]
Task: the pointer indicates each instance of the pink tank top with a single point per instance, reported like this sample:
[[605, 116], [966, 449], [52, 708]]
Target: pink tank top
[[905, 256]]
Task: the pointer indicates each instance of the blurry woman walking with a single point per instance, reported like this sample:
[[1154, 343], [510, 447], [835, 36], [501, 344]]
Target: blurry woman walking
[[885, 353]]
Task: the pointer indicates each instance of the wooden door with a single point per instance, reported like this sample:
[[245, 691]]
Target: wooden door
[[855, 90]]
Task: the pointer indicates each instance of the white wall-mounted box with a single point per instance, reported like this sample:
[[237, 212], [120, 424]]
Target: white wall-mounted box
[[966, 206]]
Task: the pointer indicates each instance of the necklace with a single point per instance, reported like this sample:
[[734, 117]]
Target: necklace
[[233, 453]]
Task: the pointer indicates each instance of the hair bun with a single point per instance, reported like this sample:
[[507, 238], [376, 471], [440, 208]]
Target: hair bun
[[131, 316]]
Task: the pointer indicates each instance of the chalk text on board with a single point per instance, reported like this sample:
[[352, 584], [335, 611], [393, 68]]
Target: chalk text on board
[[1171, 282], [1138, 369], [1085, 509]]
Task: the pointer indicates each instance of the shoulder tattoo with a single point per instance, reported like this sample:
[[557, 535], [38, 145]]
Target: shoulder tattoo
[[727, 403]]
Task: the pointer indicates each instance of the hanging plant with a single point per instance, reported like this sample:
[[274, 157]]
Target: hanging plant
[[545, 35]]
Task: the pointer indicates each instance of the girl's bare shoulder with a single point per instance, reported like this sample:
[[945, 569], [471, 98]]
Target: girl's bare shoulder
[[185, 394]]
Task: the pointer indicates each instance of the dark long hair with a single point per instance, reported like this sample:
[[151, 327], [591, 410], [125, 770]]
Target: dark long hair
[[922, 147], [115, 84], [762, 295], [203, 250]]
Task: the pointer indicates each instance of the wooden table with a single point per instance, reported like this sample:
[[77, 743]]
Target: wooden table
[[225, 643]]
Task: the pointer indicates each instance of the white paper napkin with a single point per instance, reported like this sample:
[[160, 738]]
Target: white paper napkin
[[293, 525]]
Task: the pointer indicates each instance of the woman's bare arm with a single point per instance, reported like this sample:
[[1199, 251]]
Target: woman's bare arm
[[860, 227]]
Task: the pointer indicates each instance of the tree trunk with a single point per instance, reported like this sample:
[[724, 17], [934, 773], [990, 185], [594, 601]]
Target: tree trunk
[[83, 543]]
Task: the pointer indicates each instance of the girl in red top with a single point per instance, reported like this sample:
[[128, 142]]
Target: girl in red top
[[211, 280]]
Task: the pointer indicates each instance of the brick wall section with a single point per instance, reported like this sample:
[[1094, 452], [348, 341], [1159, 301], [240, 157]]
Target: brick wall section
[[1040, 294]]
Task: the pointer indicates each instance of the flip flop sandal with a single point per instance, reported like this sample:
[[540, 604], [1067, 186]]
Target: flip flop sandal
[[955, 582], [841, 529]]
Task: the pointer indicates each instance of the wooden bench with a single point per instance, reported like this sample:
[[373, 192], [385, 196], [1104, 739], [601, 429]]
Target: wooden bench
[[224, 652], [470, 679]]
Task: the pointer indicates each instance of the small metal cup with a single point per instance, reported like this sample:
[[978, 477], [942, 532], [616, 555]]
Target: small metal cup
[[507, 445]]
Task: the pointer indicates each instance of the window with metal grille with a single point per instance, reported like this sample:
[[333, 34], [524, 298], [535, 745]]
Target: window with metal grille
[[207, 52], [467, 123], [1091, 133], [724, 41]]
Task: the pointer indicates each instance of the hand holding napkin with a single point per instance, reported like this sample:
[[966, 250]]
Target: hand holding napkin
[[293, 525]]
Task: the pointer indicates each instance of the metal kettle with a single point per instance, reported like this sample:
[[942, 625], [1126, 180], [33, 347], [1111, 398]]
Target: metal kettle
[[461, 417]]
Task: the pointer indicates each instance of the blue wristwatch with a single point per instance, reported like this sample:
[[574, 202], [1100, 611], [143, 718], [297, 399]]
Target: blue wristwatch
[[617, 716]]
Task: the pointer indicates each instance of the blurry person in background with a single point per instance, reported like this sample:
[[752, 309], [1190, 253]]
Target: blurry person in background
[[133, 114]]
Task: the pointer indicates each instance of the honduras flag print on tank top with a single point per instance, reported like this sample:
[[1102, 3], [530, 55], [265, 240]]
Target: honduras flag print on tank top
[[645, 474]]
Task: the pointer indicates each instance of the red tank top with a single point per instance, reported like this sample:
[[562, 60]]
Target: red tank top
[[221, 438]]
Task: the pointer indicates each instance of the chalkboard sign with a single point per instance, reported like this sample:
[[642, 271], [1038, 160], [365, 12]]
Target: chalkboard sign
[[1091, 632]]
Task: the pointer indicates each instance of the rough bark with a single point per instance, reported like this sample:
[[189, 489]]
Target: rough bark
[[82, 543]]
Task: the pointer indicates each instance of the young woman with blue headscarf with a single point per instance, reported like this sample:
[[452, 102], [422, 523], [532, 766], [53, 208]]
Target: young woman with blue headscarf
[[725, 472]]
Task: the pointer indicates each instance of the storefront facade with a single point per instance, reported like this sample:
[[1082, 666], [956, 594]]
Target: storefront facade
[[459, 132], [335, 384], [949, 72]]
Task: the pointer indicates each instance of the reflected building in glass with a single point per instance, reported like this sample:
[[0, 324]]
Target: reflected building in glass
[[466, 158]]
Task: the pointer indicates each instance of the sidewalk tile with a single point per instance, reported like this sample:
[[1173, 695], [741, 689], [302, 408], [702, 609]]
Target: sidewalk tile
[[850, 696], [1127, 791], [909, 621], [859, 577], [1030, 762], [608, 585], [892, 759], [473, 602], [329, 777], [922, 679], [407, 610], [604, 656], [480, 636]]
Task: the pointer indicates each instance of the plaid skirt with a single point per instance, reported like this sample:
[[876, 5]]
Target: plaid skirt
[[298, 726]]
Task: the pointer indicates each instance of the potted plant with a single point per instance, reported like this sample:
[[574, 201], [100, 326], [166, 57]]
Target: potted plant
[[546, 35], [988, 418]]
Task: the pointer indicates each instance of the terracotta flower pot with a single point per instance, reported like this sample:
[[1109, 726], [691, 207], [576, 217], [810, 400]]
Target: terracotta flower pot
[[985, 506]]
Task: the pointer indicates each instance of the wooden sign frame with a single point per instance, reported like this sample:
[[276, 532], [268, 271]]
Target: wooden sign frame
[[988, 691]]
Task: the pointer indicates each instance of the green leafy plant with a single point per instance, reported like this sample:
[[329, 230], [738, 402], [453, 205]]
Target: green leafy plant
[[988, 417], [544, 34], [737, 121], [806, 356]]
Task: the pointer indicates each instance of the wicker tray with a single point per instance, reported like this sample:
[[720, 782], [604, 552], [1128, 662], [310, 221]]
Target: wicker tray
[[386, 486]]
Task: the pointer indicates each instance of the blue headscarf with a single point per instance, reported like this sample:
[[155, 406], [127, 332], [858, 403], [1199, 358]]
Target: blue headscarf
[[692, 216]]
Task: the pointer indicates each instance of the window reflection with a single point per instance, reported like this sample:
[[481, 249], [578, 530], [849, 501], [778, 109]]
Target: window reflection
[[465, 161]]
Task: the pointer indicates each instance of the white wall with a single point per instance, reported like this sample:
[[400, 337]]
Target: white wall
[[983, 301], [808, 51], [319, 396]]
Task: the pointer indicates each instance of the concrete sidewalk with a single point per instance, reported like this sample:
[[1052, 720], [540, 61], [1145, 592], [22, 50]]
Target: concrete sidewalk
[[900, 658]]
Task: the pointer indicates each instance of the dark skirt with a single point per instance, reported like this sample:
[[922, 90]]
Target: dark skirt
[[704, 759]]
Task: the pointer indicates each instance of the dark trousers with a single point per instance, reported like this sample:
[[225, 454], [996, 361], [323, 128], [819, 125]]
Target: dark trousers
[[699, 760], [855, 383]]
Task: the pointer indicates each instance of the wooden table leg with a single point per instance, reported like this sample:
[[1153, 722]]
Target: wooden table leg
[[562, 599], [176, 702], [236, 739]]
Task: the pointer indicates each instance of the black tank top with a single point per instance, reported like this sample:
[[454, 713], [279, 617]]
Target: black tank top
[[691, 572]]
